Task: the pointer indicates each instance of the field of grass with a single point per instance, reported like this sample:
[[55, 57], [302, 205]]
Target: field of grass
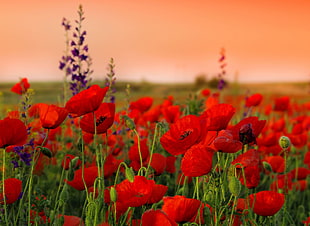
[[53, 92]]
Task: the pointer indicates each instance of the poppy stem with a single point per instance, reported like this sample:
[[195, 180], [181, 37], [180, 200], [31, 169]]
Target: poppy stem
[[139, 148], [3, 188]]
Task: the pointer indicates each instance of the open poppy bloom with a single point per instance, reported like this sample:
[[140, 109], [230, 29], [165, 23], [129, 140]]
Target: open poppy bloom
[[218, 116], [12, 190], [90, 175], [254, 100], [142, 105], [86, 101], [51, 116], [21, 87], [12, 132], [225, 142], [183, 134], [197, 161], [248, 129], [281, 103], [266, 203], [180, 209], [136, 193], [104, 118], [156, 218]]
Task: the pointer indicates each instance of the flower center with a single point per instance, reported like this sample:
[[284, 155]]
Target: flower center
[[100, 120], [185, 134]]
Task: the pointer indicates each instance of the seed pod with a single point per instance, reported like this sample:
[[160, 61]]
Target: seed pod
[[45, 151], [113, 194], [284, 142], [234, 186], [129, 122], [267, 166], [130, 175]]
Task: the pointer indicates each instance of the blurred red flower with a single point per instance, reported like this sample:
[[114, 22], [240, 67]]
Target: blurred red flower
[[158, 163], [225, 142], [51, 116], [136, 193], [254, 100], [12, 190], [197, 161], [142, 105], [277, 163], [266, 203], [21, 87], [183, 134], [218, 116], [86, 101], [90, 175], [133, 152], [104, 116], [12, 132], [281, 103], [180, 209], [156, 218]]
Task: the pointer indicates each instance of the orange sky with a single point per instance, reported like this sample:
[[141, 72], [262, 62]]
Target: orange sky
[[162, 40]]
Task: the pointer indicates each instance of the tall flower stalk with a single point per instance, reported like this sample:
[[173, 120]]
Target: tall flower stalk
[[76, 63]]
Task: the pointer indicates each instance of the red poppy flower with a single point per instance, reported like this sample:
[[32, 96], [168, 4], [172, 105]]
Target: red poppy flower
[[171, 113], [157, 194], [136, 193], [86, 101], [248, 129], [72, 220], [254, 100], [110, 165], [197, 161], [307, 159], [66, 162], [143, 104], [21, 87], [218, 116], [225, 142], [249, 158], [170, 164], [281, 103], [205, 92], [12, 190], [300, 185], [104, 119], [183, 134], [133, 152], [90, 175], [300, 173], [266, 203], [12, 132], [306, 222], [277, 163], [252, 176], [158, 163], [51, 116], [180, 209], [156, 218]]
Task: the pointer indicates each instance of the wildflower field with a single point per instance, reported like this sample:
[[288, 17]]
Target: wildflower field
[[98, 154]]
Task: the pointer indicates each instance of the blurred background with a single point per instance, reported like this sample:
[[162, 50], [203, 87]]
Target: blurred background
[[168, 41]]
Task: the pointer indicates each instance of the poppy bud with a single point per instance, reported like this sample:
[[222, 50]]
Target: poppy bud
[[113, 194], [284, 142], [234, 186], [267, 166], [64, 193], [45, 151], [71, 174], [130, 175], [129, 122], [73, 162]]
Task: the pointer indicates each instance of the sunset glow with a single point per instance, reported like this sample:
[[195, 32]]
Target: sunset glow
[[161, 41]]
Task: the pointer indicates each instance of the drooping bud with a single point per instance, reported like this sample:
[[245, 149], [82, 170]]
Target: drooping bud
[[113, 194], [267, 166], [284, 142], [129, 122], [129, 173], [234, 186], [45, 151]]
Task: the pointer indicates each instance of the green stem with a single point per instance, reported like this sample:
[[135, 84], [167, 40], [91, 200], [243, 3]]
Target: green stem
[[3, 188]]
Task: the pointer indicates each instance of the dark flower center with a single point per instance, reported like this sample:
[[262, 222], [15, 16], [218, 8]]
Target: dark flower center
[[100, 120], [185, 134]]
